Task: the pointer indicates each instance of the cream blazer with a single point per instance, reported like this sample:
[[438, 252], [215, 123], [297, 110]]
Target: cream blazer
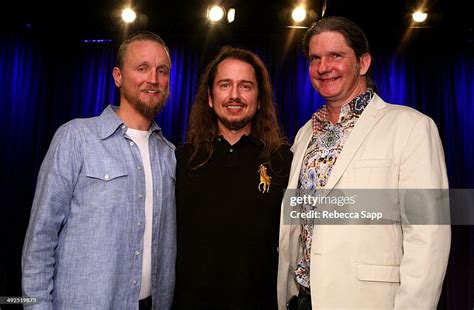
[[373, 266]]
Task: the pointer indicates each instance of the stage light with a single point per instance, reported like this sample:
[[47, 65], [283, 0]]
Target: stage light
[[215, 13], [129, 15], [419, 16], [231, 15], [298, 14]]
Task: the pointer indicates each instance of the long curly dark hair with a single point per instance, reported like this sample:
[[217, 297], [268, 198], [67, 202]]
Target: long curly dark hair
[[202, 129]]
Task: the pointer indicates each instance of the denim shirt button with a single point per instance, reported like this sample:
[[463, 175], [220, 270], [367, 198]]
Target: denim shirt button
[[131, 143], [137, 253], [134, 282], [106, 177], [139, 223]]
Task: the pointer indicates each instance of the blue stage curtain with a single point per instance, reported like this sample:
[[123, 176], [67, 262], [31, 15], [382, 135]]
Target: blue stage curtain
[[43, 86], [183, 85]]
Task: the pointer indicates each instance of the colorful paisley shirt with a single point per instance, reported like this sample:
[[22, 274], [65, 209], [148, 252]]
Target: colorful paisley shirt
[[324, 148]]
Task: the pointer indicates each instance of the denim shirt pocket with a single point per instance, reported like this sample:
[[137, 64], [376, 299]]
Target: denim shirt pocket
[[107, 182]]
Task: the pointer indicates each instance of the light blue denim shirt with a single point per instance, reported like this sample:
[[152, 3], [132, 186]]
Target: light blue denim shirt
[[84, 242]]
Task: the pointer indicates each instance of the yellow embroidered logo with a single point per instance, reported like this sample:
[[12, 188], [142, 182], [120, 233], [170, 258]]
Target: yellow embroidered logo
[[265, 179]]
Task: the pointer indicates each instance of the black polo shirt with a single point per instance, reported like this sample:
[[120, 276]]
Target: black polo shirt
[[227, 228]]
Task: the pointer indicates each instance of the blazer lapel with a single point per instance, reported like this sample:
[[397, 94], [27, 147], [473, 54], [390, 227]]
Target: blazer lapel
[[369, 118]]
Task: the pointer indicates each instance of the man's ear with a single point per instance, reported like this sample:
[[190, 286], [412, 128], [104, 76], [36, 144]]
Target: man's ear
[[117, 74], [365, 61], [210, 98]]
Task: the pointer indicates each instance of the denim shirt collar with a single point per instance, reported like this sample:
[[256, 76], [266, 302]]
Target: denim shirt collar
[[110, 122]]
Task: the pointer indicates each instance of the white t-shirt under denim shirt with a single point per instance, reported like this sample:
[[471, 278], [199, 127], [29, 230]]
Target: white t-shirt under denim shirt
[[141, 139]]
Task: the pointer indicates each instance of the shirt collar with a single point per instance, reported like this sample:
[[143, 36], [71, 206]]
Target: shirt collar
[[110, 122], [243, 139], [353, 108]]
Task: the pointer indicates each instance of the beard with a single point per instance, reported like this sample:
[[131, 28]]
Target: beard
[[146, 109], [237, 124]]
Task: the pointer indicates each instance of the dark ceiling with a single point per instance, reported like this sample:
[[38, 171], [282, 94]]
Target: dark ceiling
[[384, 21]]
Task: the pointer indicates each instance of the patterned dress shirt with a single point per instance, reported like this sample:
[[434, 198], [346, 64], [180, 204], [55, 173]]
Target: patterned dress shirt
[[324, 148]]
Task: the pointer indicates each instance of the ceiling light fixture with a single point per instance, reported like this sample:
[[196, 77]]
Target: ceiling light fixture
[[298, 14], [129, 15], [419, 16], [215, 13], [231, 15]]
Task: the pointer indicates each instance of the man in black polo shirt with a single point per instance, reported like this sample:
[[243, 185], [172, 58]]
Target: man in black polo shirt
[[229, 185]]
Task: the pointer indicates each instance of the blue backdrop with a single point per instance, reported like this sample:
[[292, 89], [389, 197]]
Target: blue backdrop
[[45, 84]]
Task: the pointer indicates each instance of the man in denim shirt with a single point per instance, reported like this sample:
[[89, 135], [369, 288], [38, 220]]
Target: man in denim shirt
[[102, 232]]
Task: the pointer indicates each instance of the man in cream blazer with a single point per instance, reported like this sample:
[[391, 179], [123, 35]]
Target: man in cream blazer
[[394, 266]]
